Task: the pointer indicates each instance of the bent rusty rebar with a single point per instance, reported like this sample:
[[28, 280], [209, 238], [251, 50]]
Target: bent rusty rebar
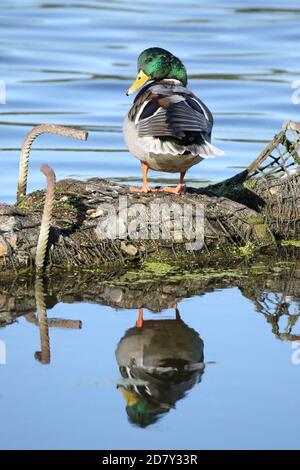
[[26, 147], [46, 218]]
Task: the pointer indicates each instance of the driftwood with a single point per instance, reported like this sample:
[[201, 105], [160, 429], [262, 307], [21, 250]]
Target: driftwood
[[249, 210], [78, 210]]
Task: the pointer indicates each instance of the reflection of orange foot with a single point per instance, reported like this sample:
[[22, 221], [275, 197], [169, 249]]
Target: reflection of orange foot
[[177, 313], [179, 189], [139, 322], [142, 189]]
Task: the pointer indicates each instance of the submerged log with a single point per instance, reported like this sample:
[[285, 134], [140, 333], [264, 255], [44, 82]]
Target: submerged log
[[272, 285], [98, 222]]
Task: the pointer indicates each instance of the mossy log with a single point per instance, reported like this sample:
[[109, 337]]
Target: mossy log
[[247, 211], [78, 210]]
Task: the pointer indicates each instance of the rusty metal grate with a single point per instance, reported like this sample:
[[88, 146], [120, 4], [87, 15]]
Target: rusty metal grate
[[281, 156]]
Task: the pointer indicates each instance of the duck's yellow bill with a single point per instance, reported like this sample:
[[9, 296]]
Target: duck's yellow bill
[[141, 79]]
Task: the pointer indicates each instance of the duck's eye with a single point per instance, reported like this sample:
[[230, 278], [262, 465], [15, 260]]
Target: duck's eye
[[149, 59]]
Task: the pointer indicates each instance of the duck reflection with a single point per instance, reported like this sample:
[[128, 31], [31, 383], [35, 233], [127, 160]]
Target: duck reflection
[[159, 360]]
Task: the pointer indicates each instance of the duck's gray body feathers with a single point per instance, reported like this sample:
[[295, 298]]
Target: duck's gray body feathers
[[169, 128]]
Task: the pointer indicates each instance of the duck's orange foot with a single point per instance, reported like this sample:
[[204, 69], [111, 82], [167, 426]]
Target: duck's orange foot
[[179, 189], [142, 189]]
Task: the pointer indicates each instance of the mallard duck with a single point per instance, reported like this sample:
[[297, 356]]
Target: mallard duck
[[167, 128]]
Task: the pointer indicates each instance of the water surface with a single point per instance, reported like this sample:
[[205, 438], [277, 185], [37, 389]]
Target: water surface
[[213, 365], [71, 62]]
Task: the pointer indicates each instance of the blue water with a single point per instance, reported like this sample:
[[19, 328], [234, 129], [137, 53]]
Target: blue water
[[71, 63], [248, 398]]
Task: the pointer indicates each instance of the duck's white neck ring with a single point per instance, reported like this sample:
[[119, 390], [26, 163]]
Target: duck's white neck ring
[[173, 81]]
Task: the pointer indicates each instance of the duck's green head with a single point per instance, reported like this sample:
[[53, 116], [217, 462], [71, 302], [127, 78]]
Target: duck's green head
[[156, 64]]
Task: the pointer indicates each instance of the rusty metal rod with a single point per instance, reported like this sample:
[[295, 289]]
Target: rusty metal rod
[[46, 219], [26, 147]]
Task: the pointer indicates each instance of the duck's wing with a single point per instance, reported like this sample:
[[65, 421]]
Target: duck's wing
[[165, 111], [172, 118]]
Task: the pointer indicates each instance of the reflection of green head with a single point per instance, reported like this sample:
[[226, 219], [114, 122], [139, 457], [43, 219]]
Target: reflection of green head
[[139, 410], [140, 415], [144, 413]]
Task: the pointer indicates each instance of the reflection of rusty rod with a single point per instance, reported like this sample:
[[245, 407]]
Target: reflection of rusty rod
[[46, 219], [56, 322], [44, 355], [26, 147], [60, 323]]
